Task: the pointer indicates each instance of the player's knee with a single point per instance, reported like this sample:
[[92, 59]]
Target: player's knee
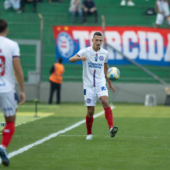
[[90, 111], [105, 102]]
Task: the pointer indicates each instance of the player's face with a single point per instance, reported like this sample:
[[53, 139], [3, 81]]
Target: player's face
[[97, 41]]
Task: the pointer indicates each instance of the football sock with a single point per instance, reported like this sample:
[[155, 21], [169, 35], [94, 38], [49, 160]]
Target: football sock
[[109, 116], [7, 133], [89, 123]]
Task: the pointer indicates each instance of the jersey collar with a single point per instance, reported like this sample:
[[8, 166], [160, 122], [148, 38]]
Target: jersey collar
[[92, 50]]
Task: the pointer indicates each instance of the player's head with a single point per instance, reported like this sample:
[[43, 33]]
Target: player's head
[[97, 39], [3, 27], [60, 60]]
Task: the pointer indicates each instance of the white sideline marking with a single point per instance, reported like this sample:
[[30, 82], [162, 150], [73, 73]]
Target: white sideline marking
[[25, 148]]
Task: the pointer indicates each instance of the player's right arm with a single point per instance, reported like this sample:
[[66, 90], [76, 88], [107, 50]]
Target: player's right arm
[[20, 78], [77, 58]]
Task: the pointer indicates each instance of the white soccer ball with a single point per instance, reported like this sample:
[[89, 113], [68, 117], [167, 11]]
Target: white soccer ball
[[113, 73]]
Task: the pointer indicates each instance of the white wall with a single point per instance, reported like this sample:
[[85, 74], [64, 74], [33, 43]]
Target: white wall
[[73, 92]]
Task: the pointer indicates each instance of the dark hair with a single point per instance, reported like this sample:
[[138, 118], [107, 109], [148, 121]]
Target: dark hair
[[98, 34], [3, 25], [60, 60]]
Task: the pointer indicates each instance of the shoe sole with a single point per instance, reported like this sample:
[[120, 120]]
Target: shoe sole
[[5, 160], [113, 131], [89, 139]]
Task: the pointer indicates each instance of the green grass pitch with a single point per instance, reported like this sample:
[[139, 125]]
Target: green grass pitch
[[142, 142]]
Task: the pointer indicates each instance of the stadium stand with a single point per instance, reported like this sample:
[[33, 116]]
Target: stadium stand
[[27, 26]]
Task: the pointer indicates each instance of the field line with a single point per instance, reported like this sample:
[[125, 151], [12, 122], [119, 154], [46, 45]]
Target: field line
[[25, 148]]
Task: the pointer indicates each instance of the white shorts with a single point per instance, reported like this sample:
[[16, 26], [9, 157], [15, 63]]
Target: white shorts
[[91, 94], [8, 103]]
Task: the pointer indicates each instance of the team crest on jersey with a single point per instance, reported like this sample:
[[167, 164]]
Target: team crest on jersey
[[88, 100], [101, 58], [65, 45]]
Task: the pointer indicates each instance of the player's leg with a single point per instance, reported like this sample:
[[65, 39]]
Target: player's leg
[[8, 131], [89, 121], [102, 94], [90, 101], [108, 111], [9, 107], [7, 135], [108, 115]]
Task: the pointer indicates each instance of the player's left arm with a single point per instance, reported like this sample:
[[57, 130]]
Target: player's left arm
[[110, 86]]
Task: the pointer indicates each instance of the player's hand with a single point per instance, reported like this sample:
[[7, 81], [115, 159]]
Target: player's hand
[[83, 58], [110, 86], [22, 98]]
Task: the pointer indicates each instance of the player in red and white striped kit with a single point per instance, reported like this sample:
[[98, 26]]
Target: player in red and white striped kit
[[9, 62]]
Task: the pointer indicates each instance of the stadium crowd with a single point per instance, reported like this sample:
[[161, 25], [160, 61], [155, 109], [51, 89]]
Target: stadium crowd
[[88, 7], [19, 5]]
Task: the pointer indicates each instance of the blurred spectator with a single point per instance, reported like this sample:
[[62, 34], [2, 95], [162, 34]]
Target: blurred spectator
[[12, 3], [162, 9], [88, 9], [34, 5], [75, 7], [130, 3]]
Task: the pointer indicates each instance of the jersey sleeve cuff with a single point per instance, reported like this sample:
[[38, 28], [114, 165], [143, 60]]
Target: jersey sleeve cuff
[[16, 56], [78, 55]]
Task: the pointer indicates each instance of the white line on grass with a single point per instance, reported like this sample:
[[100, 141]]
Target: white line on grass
[[25, 148]]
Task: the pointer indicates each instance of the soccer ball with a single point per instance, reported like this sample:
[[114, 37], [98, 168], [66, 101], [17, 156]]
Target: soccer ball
[[113, 73]]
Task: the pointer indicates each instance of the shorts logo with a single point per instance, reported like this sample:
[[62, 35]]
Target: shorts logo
[[88, 100], [101, 58], [103, 88], [7, 109], [65, 45]]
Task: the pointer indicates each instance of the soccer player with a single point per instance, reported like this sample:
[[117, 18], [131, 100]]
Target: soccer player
[[162, 9], [9, 60], [95, 68]]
